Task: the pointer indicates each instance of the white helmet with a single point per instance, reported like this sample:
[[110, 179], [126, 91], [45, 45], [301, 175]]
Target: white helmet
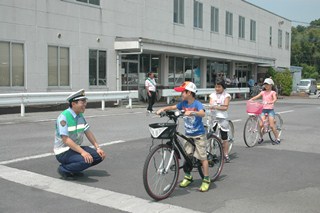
[[268, 81]]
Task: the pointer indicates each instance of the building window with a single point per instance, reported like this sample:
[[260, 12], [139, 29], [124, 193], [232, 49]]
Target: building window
[[58, 66], [241, 27], [252, 30], [97, 68], [11, 64], [216, 71], [229, 23], [214, 19], [279, 38], [197, 14], [178, 11], [94, 2], [287, 40], [183, 69], [270, 36]]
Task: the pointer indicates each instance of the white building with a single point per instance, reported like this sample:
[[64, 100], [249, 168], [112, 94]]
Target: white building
[[64, 45]]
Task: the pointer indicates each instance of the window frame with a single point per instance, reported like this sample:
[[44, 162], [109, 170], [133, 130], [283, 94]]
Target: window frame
[[179, 19], [197, 14], [229, 23], [98, 67], [253, 30], [59, 66], [242, 27], [279, 38], [88, 2], [287, 41], [11, 65], [270, 36], [214, 19]]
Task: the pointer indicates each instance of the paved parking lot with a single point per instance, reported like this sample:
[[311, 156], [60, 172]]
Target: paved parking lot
[[265, 178]]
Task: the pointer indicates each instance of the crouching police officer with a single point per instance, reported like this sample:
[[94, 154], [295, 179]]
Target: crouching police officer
[[70, 128]]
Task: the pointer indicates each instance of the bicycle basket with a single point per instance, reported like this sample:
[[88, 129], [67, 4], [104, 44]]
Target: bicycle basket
[[254, 107], [162, 130]]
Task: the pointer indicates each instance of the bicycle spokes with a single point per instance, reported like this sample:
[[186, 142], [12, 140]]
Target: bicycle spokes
[[160, 172]]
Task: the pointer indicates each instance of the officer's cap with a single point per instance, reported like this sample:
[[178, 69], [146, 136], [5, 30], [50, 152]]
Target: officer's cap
[[79, 95]]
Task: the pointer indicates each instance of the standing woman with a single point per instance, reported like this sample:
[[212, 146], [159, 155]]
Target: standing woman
[[151, 88], [219, 101]]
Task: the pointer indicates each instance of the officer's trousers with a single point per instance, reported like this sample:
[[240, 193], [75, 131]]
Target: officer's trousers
[[73, 162]]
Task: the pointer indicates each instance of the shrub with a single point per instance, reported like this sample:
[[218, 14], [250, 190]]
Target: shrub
[[283, 80]]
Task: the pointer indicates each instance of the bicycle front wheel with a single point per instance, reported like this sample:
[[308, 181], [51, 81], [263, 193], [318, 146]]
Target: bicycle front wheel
[[251, 131], [278, 122], [215, 158], [230, 136], [161, 172]]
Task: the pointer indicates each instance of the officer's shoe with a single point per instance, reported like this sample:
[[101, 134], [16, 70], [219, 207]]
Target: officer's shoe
[[66, 175]]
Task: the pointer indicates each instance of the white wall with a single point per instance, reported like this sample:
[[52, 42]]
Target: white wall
[[36, 23]]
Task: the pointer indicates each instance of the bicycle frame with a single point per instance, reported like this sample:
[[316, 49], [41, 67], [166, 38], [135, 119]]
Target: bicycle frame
[[163, 160], [178, 145]]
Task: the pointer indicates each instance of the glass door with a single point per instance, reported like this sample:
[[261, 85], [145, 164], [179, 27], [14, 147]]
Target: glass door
[[243, 72], [129, 75]]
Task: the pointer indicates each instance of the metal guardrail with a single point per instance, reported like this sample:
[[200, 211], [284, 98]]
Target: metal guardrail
[[169, 93], [24, 99]]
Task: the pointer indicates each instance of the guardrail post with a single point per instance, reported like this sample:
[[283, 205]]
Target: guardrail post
[[103, 104], [130, 103], [22, 110]]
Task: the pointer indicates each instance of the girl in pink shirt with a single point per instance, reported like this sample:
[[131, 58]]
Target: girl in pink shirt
[[269, 97]]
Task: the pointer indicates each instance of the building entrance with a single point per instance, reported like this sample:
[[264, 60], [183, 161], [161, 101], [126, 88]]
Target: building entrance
[[244, 73], [129, 75]]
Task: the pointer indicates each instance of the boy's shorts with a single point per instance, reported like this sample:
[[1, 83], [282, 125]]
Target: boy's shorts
[[200, 149]]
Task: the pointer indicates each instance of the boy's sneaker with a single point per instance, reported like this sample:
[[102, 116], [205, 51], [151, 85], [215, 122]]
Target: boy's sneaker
[[205, 185], [260, 141], [186, 181]]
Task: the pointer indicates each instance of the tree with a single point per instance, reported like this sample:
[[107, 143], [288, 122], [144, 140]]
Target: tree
[[271, 73], [309, 72], [283, 80], [305, 48]]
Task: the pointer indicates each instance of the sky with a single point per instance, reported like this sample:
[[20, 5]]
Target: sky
[[298, 11]]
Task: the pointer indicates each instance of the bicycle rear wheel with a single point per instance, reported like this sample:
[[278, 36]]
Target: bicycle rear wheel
[[278, 123], [230, 136], [251, 131], [161, 172], [215, 158]]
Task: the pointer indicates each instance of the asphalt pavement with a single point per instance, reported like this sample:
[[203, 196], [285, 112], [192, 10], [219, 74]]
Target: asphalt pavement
[[265, 178]]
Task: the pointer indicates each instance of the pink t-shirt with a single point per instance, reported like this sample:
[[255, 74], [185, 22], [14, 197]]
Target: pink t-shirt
[[267, 97]]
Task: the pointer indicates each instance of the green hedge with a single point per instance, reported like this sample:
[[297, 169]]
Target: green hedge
[[283, 80]]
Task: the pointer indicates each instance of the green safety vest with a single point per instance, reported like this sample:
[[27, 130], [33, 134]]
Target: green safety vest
[[75, 130]]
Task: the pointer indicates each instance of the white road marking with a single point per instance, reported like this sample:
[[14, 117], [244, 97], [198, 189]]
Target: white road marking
[[283, 112], [238, 120], [49, 154], [89, 194]]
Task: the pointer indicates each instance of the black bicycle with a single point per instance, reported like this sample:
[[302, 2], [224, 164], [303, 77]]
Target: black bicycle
[[161, 168]]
